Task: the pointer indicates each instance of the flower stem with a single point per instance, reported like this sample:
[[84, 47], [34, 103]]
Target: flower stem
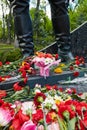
[[44, 117]]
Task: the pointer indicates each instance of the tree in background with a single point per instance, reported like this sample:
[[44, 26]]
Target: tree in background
[[42, 26], [7, 29], [41, 23], [79, 15]]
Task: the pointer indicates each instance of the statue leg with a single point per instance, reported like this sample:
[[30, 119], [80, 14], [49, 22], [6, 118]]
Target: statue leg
[[61, 26], [23, 26]]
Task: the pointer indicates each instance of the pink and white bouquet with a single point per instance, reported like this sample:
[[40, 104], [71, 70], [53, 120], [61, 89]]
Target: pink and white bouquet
[[45, 61]]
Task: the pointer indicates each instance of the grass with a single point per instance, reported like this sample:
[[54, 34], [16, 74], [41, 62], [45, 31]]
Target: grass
[[9, 52], [3, 46]]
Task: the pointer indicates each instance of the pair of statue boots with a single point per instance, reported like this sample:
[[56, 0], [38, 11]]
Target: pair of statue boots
[[60, 22], [63, 39]]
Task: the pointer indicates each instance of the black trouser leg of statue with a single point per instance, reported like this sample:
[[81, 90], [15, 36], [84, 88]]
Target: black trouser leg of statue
[[61, 26], [23, 26]]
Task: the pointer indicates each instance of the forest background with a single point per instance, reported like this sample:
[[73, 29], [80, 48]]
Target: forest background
[[42, 26]]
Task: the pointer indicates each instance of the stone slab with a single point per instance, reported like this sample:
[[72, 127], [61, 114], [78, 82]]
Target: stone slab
[[52, 79]]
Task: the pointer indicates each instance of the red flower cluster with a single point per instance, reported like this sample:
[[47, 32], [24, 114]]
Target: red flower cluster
[[66, 110], [74, 109], [79, 60], [26, 69], [18, 120], [46, 55], [3, 78], [50, 87]]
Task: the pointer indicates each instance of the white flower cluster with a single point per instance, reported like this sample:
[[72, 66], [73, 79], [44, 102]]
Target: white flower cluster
[[28, 107], [50, 102], [49, 60]]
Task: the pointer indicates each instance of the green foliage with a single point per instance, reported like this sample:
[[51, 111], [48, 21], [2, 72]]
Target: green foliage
[[78, 16], [0, 29], [10, 55], [43, 43], [42, 27]]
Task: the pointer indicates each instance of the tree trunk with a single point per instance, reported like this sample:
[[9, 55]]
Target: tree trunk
[[36, 20]]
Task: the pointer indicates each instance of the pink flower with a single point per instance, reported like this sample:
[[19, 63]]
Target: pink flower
[[41, 127], [53, 126], [5, 117], [29, 125], [17, 105]]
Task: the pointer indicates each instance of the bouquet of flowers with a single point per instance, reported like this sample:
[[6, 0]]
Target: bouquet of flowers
[[44, 61]]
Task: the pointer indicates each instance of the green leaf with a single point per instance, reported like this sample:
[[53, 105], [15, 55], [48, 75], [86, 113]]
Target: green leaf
[[74, 96], [71, 124], [66, 115], [62, 124]]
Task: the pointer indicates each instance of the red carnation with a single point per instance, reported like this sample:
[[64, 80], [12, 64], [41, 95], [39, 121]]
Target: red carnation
[[2, 93], [71, 68], [48, 87], [76, 74], [25, 80], [48, 55], [77, 57], [73, 90], [23, 74], [39, 98], [1, 63], [65, 108], [1, 79], [38, 116], [77, 62], [55, 87], [82, 60], [51, 116], [23, 117], [7, 63], [56, 56], [1, 102], [15, 124], [17, 87], [27, 66]]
